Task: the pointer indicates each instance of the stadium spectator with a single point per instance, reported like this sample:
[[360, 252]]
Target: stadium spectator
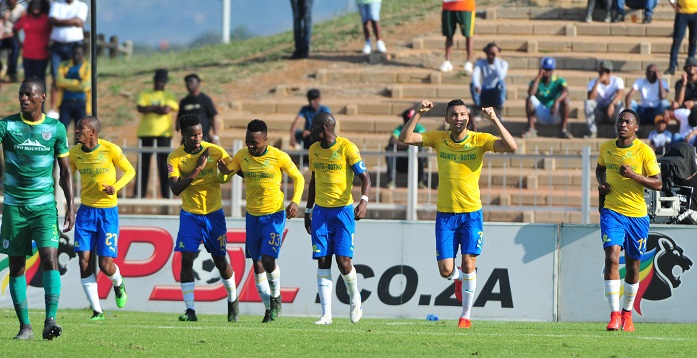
[[605, 95], [646, 5], [155, 130], [685, 18], [370, 17], [653, 91], [686, 86], [74, 82], [37, 31], [265, 215], [400, 165], [688, 126], [456, 12], [488, 86], [548, 100], [67, 19], [302, 27], [332, 222], [10, 12], [459, 218], [660, 138], [97, 219], [198, 103], [193, 174], [306, 113], [591, 7], [29, 209], [626, 166]]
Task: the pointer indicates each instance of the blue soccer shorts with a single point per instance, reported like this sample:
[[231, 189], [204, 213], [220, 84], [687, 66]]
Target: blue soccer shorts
[[332, 231], [209, 229], [264, 235], [629, 233], [97, 227], [461, 230]]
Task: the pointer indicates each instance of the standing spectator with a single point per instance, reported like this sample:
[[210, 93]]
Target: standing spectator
[[457, 12], [660, 138], [605, 94], [646, 5], [459, 217], [11, 12], [74, 82], [370, 16], [625, 167], [686, 86], [401, 164], [67, 19], [488, 86], [198, 103], [653, 91], [307, 113], [685, 17], [302, 27], [37, 31], [548, 100], [155, 130], [591, 7]]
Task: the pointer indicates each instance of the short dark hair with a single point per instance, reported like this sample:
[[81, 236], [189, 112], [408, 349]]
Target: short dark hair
[[313, 94], [454, 103], [630, 111], [38, 82], [257, 125], [93, 122], [192, 75], [188, 120]]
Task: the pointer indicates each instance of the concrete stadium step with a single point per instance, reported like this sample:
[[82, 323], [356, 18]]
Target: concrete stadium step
[[539, 27], [462, 91], [662, 12]]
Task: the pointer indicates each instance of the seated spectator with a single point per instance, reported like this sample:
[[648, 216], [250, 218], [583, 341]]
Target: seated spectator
[[605, 95], [548, 100], [688, 126], [660, 139], [401, 165], [488, 86], [591, 7], [74, 83], [686, 86], [306, 113], [653, 91], [646, 5]]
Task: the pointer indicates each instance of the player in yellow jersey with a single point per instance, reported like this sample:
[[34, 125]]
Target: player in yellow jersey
[[193, 174], [459, 220], [263, 167], [626, 166], [97, 219], [332, 222]]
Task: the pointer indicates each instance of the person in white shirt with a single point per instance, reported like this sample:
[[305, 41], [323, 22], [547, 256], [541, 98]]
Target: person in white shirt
[[688, 126], [605, 95], [653, 91], [488, 86], [68, 19]]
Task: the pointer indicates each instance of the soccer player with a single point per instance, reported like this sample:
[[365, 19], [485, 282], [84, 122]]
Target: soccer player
[[262, 165], [193, 174], [31, 142], [459, 219], [626, 166], [334, 161], [97, 219]]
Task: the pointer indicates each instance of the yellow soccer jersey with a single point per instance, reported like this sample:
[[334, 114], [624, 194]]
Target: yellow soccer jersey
[[459, 168], [98, 168], [626, 195], [203, 195], [334, 168], [263, 176]]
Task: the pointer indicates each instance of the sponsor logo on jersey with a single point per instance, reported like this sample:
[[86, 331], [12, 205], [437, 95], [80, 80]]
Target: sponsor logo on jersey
[[32, 146]]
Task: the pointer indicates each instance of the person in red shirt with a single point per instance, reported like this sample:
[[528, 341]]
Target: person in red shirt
[[37, 31]]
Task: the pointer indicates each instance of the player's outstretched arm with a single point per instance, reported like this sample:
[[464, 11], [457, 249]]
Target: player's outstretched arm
[[407, 135], [310, 204], [362, 207], [66, 183], [506, 144]]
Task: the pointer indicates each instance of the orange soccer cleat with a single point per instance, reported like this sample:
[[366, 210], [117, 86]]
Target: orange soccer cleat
[[464, 323], [626, 321], [614, 321]]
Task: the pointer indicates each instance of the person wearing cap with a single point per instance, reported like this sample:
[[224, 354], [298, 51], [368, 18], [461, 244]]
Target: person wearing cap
[[660, 138], [686, 86], [155, 130], [456, 12], [198, 103], [548, 100], [306, 113], [685, 17], [395, 164], [653, 91], [488, 86], [605, 95]]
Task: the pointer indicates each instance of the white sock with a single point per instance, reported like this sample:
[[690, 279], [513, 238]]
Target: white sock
[[116, 278], [456, 275], [274, 281], [612, 294], [351, 281], [263, 289], [230, 287], [630, 290], [188, 293], [89, 284], [469, 285], [324, 286]]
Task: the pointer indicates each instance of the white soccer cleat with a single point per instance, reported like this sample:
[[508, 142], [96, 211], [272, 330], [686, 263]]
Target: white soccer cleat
[[469, 68], [381, 46], [367, 49], [446, 67], [324, 320], [356, 312]]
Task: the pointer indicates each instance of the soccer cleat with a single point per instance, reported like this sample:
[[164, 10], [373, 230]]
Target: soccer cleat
[[189, 316], [469, 68], [458, 290], [464, 323], [356, 312], [51, 329], [267, 317], [275, 308], [367, 49], [97, 316], [233, 310], [120, 295], [446, 67], [324, 320], [25, 333], [614, 321], [626, 321]]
